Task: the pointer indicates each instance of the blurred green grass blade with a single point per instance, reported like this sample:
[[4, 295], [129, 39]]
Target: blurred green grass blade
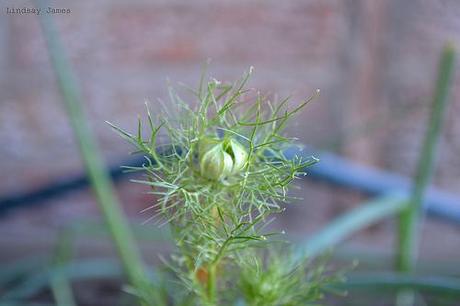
[[442, 285], [410, 218], [100, 181], [366, 214], [408, 240], [59, 283]]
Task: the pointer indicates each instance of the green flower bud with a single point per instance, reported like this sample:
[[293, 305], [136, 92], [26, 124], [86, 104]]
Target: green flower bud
[[219, 159], [215, 163], [239, 155]]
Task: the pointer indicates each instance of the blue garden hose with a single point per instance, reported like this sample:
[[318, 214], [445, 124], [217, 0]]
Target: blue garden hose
[[332, 169]]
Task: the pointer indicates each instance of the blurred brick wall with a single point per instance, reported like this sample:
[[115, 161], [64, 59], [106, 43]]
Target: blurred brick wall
[[374, 61]]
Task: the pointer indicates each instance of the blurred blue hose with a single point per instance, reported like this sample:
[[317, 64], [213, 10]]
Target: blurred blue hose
[[340, 171], [332, 169]]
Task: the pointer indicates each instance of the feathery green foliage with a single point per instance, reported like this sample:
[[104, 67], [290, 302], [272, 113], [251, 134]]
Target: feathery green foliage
[[218, 170], [270, 281]]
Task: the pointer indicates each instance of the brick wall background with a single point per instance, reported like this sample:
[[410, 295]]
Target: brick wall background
[[374, 61]]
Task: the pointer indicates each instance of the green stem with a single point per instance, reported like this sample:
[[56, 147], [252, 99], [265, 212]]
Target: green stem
[[212, 284], [101, 183], [349, 223], [410, 217], [60, 284]]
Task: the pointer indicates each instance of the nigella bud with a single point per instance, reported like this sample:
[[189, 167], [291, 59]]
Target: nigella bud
[[239, 155], [215, 163], [220, 158]]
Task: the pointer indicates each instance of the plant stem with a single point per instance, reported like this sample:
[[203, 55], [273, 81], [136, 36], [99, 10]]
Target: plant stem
[[410, 217], [60, 285], [101, 184], [212, 284]]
